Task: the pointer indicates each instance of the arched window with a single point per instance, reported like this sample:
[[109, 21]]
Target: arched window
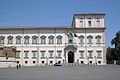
[[34, 39], [90, 39], [18, 39], [51, 39], [10, 39], [43, 39], [26, 39], [98, 39], [59, 39], [81, 38], [2, 39]]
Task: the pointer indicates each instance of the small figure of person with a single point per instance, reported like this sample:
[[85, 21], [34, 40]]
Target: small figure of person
[[17, 66]]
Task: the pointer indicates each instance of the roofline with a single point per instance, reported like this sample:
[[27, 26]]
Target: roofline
[[33, 27], [43, 28], [89, 14]]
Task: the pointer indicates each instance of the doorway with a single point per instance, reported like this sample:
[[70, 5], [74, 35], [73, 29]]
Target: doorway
[[70, 57]]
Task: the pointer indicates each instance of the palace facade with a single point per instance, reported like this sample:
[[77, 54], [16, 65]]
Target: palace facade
[[83, 42]]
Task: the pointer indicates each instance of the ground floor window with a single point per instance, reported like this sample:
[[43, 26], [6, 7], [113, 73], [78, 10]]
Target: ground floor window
[[99, 62], [51, 62], [90, 62], [82, 62], [43, 62], [59, 62], [33, 62], [17, 61], [26, 62]]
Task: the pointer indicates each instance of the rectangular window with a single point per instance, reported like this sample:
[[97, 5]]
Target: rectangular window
[[34, 54], [59, 53], [89, 24], [81, 54], [81, 23], [51, 54], [42, 54], [90, 54], [17, 53], [18, 41], [99, 54], [98, 23], [26, 54]]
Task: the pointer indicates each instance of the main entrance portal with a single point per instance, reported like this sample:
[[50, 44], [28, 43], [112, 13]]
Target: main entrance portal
[[70, 57]]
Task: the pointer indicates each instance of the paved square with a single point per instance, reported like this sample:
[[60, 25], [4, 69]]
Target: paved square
[[82, 72]]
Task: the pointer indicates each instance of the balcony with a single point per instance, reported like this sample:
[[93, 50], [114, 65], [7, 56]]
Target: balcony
[[70, 46]]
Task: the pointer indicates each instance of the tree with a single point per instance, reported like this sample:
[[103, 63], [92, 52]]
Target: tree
[[116, 41], [110, 55]]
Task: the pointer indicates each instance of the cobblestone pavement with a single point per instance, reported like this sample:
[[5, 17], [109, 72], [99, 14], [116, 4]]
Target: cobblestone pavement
[[81, 72]]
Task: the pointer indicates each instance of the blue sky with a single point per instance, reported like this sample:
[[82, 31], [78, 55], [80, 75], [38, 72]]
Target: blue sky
[[58, 13]]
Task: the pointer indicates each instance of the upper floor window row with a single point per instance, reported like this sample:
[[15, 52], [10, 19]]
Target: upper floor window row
[[34, 38], [51, 39], [90, 39], [90, 23]]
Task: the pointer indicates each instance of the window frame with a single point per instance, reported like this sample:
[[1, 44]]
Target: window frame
[[51, 39], [26, 40], [59, 39], [90, 39], [34, 39], [2, 38], [10, 39]]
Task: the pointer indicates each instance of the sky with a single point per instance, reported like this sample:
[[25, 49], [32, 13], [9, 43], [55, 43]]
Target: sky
[[59, 13]]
